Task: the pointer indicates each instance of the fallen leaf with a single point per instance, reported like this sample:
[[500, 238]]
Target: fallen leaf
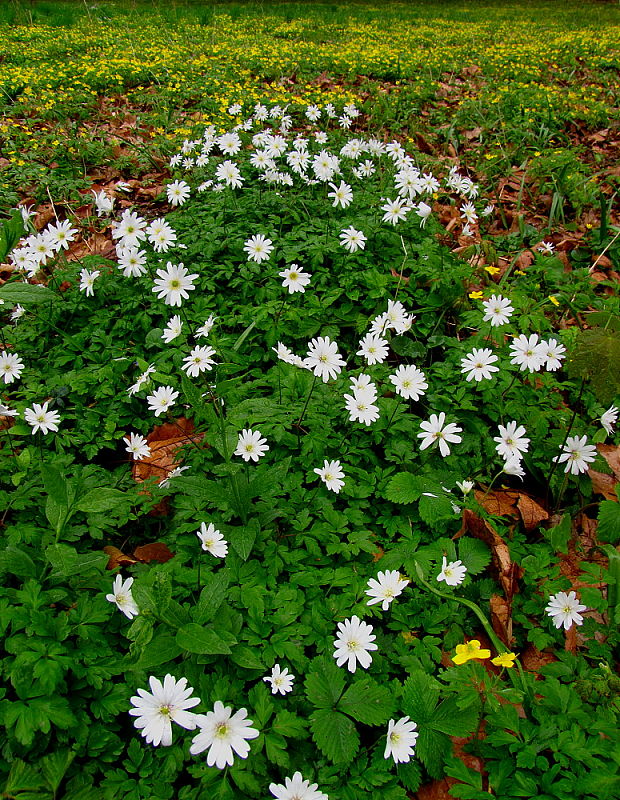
[[157, 551], [502, 504], [508, 572], [164, 441], [532, 513], [533, 659], [501, 619], [118, 558], [611, 454], [603, 484]]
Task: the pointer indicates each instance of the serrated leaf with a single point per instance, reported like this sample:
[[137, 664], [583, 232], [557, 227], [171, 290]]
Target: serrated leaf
[[433, 509], [405, 488], [367, 702], [212, 596], [335, 735], [196, 639], [192, 394], [54, 767], [609, 521], [98, 501], [242, 538], [246, 657], [205, 491], [474, 554], [324, 684], [431, 749], [276, 749], [420, 696], [66, 561], [26, 294], [410, 775], [597, 356], [288, 724], [448, 718], [17, 562]]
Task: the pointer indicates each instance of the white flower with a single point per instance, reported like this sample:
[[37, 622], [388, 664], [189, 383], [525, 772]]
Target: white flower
[[41, 419], [258, 248], [548, 248], [554, 353], [341, 195], [395, 210], [173, 284], [564, 609], [167, 703], [323, 358], [373, 348], [5, 411], [354, 641], [142, 379], [11, 367], [296, 788], [17, 313], [164, 483], [223, 734], [161, 235], [172, 329], [137, 446], [87, 281], [401, 739], [198, 361], [497, 310], [294, 279], [130, 230], [352, 239], [527, 352], [212, 540], [511, 440], [331, 474], [162, 399], [131, 261], [121, 595], [385, 588], [409, 381], [453, 573], [577, 454], [229, 172], [177, 192], [435, 430], [251, 445], [465, 486], [103, 203], [512, 466], [205, 329], [423, 210], [61, 234], [229, 143], [468, 212], [235, 109], [280, 679], [609, 419], [361, 407], [479, 364]]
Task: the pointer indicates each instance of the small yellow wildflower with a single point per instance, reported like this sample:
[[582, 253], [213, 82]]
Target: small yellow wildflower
[[554, 300], [504, 660], [492, 270], [476, 295], [465, 652]]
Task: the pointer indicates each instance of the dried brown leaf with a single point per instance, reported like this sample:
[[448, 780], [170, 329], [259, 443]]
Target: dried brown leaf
[[156, 551], [532, 513], [611, 454], [603, 484]]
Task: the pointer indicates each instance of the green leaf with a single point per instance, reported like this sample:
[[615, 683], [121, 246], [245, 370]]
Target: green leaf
[[324, 684], [410, 775], [66, 561], [288, 724], [405, 488], [367, 702], [196, 639], [474, 554], [55, 484], [192, 393], [26, 294], [449, 718], [98, 501], [431, 748], [243, 537], [205, 491], [420, 696], [335, 735], [560, 534], [276, 749], [433, 509], [162, 648], [246, 657], [17, 562], [608, 521], [597, 356], [212, 596], [54, 767]]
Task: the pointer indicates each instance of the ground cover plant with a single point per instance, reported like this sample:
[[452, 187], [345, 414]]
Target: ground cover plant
[[310, 450]]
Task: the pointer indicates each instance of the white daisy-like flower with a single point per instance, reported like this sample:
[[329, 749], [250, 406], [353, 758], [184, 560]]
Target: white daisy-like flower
[[323, 358], [223, 733], [172, 329], [40, 419], [546, 248], [385, 588], [199, 360], [177, 192], [353, 644], [166, 703], [212, 540], [361, 407], [479, 364], [527, 352], [609, 419], [331, 474], [62, 234], [251, 445], [395, 210], [401, 738], [564, 609], [162, 399], [453, 573], [87, 281], [373, 348], [294, 279], [423, 210], [342, 195], [409, 382], [296, 788], [173, 284], [436, 431], [554, 353], [205, 329], [138, 446], [258, 248], [121, 595], [142, 379], [131, 261], [229, 173], [577, 454], [511, 440], [281, 680], [352, 239], [497, 310], [513, 466], [11, 367]]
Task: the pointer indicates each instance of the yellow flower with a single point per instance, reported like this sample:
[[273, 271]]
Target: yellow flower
[[504, 660], [554, 300], [492, 270], [465, 652], [476, 295]]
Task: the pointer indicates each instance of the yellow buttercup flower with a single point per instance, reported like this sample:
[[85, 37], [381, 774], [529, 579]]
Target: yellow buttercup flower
[[465, 652], [492, 270], [554, 300], [504, 660], [476, 295]]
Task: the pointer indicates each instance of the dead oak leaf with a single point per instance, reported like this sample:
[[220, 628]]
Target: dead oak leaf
[[165, 441], [603, 484], [611, 454], [145, 553], [508, 572], [532, 513]]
